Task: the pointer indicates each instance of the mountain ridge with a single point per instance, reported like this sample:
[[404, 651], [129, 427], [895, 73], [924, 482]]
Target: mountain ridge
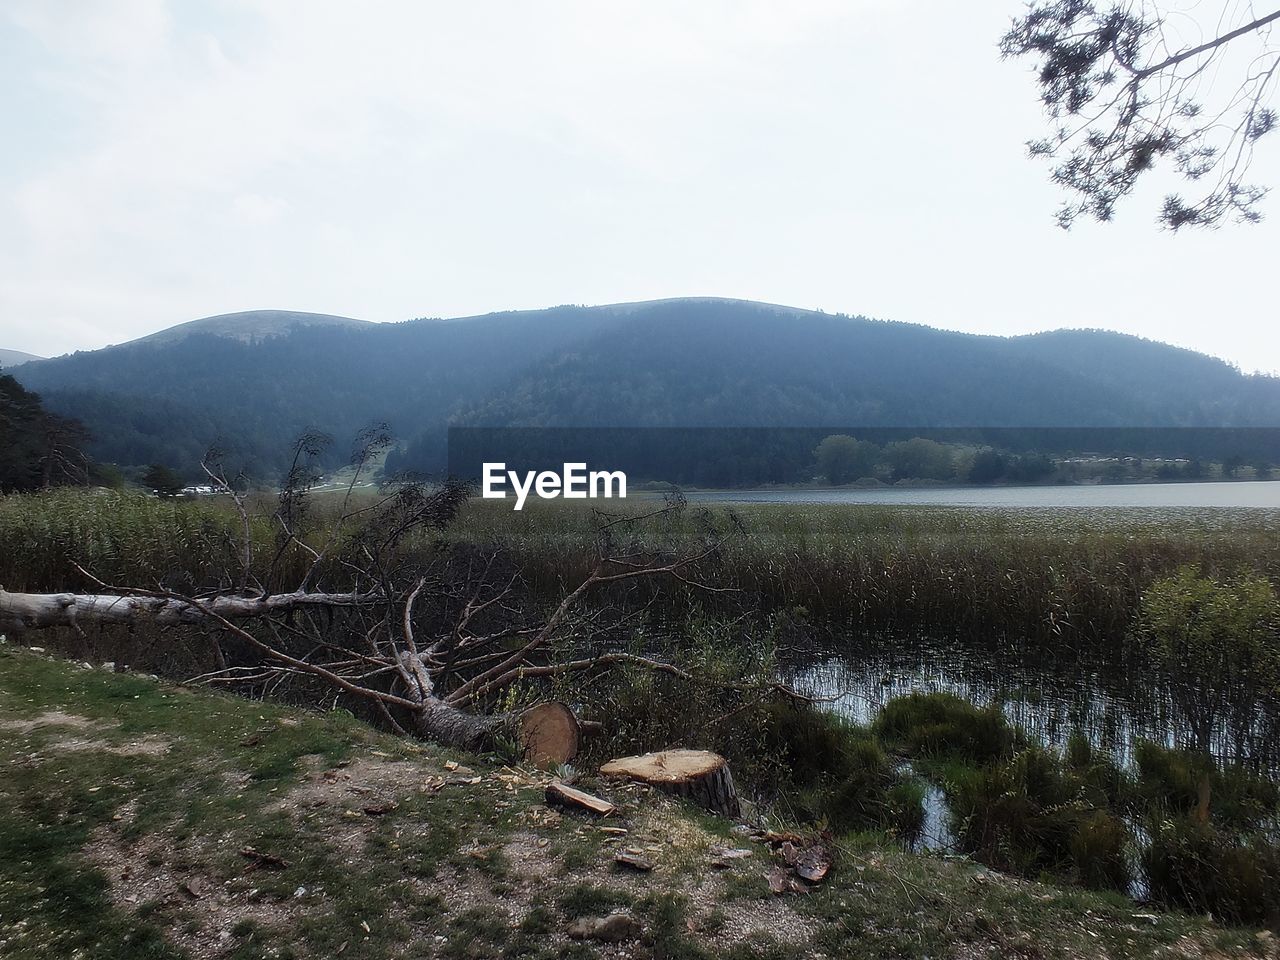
[[675, 362], [14, 358], [245, 325]]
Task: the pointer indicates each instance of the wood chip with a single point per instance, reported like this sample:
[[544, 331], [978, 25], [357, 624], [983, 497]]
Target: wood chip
[[265, 861], [561, 794], [814, 864], [633, 860], [782, 881]]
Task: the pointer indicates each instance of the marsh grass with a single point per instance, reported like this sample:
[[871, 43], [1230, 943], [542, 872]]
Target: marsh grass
[[942, 726], [1069, 575], [1202, 832], [1060, 573]]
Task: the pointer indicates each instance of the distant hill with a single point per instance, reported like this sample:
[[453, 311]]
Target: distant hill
[[12, 358], [249, 325], [693, 362]]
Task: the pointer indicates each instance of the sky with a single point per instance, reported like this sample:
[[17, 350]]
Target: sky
[[167, 161]]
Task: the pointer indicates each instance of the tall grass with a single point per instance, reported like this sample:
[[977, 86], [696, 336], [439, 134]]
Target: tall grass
[[1033, 573], [1056, 573], [118, 537]]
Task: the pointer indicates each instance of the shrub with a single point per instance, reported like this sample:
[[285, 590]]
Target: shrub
[[943, 726], [1186, 782], [838, 773], [1034, 813], [1219, 639], [1098, 852], [1193, 865]]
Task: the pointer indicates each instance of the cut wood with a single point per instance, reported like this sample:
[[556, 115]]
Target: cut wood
[[634, 860], [267, 861], [549, 734], [563, 795], [697, 775], [813, 864]]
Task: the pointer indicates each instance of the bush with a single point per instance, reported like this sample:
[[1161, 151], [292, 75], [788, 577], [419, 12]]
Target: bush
[[943, 726], [1098, 852], [1218, 639], [838, 773], [1193, 865], [1035, 814], [1186, 782]]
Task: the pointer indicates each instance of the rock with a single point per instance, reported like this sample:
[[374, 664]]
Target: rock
[[723, 859], [615, 928]]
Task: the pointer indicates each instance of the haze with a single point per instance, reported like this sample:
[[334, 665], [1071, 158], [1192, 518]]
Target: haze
[[395, 160]]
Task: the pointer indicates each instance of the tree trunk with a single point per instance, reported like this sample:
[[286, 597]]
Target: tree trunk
[[547, 733], [697, 775], [450, 727], [38, 611]]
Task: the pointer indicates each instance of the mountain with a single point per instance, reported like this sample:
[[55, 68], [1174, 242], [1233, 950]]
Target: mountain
[[249, 325], [689, 362], [12, 358]]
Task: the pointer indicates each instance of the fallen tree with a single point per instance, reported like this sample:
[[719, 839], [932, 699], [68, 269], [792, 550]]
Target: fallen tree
[[37, 611], [431, 649]]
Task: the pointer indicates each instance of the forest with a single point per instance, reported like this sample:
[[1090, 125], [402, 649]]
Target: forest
[[680, 363]]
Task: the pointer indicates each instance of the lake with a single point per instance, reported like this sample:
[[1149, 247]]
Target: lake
[[1260, 494]]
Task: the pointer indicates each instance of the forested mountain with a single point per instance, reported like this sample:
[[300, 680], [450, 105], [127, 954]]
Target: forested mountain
[[12, 358], [165, 401], [694, 362]]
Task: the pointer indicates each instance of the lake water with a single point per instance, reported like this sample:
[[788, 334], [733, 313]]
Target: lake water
[[1261, 494], [1113, 704]]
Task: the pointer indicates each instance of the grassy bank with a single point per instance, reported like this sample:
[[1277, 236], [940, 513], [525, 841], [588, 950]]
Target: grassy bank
[[140, 819]]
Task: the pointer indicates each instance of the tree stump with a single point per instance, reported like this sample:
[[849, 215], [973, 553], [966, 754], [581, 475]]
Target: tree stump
[[697, 775], [548, 734]]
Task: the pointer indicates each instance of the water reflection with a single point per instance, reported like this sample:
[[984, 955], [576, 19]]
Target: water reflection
[[1114, 703]]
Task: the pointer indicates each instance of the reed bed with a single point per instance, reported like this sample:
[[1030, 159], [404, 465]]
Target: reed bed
[[121, 538], [1046, 573], [1029, 573]]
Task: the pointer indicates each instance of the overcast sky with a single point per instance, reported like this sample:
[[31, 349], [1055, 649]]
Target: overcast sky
[[166, 161]]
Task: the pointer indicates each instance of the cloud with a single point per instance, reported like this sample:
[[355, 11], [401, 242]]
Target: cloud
[[389, 160]]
